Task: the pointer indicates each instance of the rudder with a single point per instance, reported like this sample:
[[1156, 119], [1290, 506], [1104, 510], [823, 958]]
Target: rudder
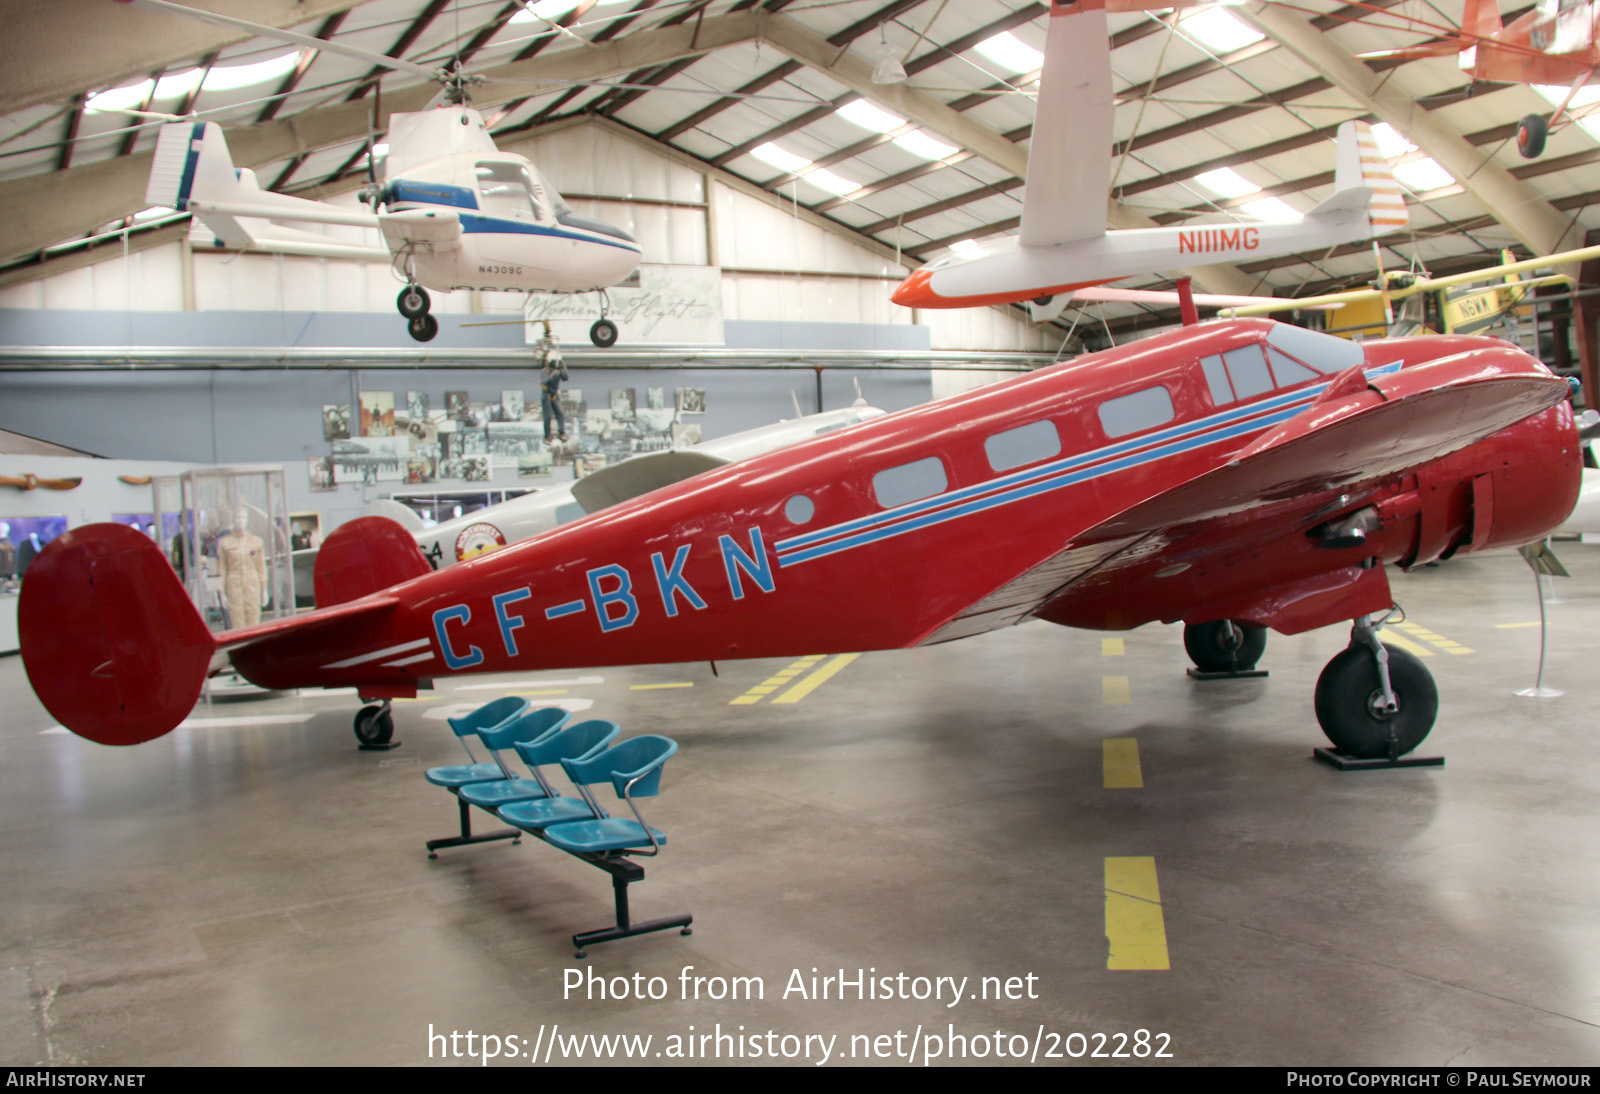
[[110, 640]]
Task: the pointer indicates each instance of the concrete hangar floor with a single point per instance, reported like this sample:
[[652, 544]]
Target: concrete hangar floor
[[256, 891]]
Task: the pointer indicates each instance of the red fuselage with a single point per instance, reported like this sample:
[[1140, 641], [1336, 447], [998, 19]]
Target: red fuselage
[[1146, 482]]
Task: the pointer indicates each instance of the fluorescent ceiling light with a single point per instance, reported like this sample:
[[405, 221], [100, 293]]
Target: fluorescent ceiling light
[[967, 248], [830, 182], [777, 157], [1269, 209], [1009, 51], [867, 116], [226, 78], [1227, 182], [919, 143], [1391, 144], [1423, 175], [1219, 30], [381, 148]]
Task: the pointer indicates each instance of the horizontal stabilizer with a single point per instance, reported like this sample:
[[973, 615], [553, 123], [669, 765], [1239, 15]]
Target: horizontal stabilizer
[[640, 475], [110, 640], [364, 556]]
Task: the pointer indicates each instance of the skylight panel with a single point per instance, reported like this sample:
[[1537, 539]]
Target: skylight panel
[[1269, 209], [779, 158], [1009, 51], [919, 143], [226, 78], [1219, 30], [1226, 182], [868, 116], [1556, 94], [120, 98], [1423, 175], [1391, 143], [967, 248], [831, 182]]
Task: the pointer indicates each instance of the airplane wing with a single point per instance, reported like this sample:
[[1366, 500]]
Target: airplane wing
[[640, 475], [1562, 258], [1358, 431], [1069, 154]]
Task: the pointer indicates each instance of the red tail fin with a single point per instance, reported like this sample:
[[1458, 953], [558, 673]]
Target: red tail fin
[[364, 556], [110, 641]]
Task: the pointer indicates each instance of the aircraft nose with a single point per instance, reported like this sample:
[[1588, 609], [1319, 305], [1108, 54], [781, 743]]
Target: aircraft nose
[[915, 292]]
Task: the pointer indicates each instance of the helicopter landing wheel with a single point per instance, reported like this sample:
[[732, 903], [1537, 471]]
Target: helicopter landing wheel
[[423, 328], [603, 333], [413, 302]]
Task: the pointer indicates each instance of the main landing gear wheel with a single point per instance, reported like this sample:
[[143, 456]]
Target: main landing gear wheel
[[1531, 133], [374, 726], [413, 302], [1224, 645], [603, 333], [423, 328], [1357, 717]]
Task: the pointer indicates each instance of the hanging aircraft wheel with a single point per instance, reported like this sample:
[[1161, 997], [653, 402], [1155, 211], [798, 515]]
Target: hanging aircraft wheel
[[413, 301], [603, 333], [1531, 133], [1224, 645], [423, 328], [374, 724], [1350, 703]]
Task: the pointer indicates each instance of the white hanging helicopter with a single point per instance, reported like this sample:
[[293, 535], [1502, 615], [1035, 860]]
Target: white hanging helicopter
[[458, 212]]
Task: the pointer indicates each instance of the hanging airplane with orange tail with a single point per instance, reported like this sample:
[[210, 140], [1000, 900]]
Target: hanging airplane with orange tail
[[1236, 475], [1064, 247]]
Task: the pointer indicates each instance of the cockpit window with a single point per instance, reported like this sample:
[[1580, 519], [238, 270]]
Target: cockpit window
[[506, 190], [1323, 352]]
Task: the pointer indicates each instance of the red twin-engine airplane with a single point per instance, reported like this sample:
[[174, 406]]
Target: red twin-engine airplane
[[1234, 472]]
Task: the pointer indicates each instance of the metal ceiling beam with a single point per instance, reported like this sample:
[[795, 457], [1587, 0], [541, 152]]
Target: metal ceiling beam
[[92, 44], [1515, 204]]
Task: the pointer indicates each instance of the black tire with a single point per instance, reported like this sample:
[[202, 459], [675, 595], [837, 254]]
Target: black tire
[[603, 333], [1348, 701], [374, 725], [1224, 645], [1531, 133], [423, 328], [413, 301]]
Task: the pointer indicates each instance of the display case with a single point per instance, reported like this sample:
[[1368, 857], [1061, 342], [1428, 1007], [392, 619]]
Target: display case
[[234, 550]]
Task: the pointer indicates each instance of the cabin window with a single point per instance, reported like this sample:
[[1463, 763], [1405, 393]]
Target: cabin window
[[799, 509], [1131, 413], [910, 482], [1024, 444], [1287, 370], [1217, 380], [1248, 369], [506, 190]]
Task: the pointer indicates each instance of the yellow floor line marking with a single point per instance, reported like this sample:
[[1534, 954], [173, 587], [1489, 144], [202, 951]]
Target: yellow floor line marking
[[1511, 626], [776, 681], [1111, 647], [1407, 645], [656, 687], [1416, 630], [1136, 933], [1120, 760], [1114, 690], [816, 679]]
